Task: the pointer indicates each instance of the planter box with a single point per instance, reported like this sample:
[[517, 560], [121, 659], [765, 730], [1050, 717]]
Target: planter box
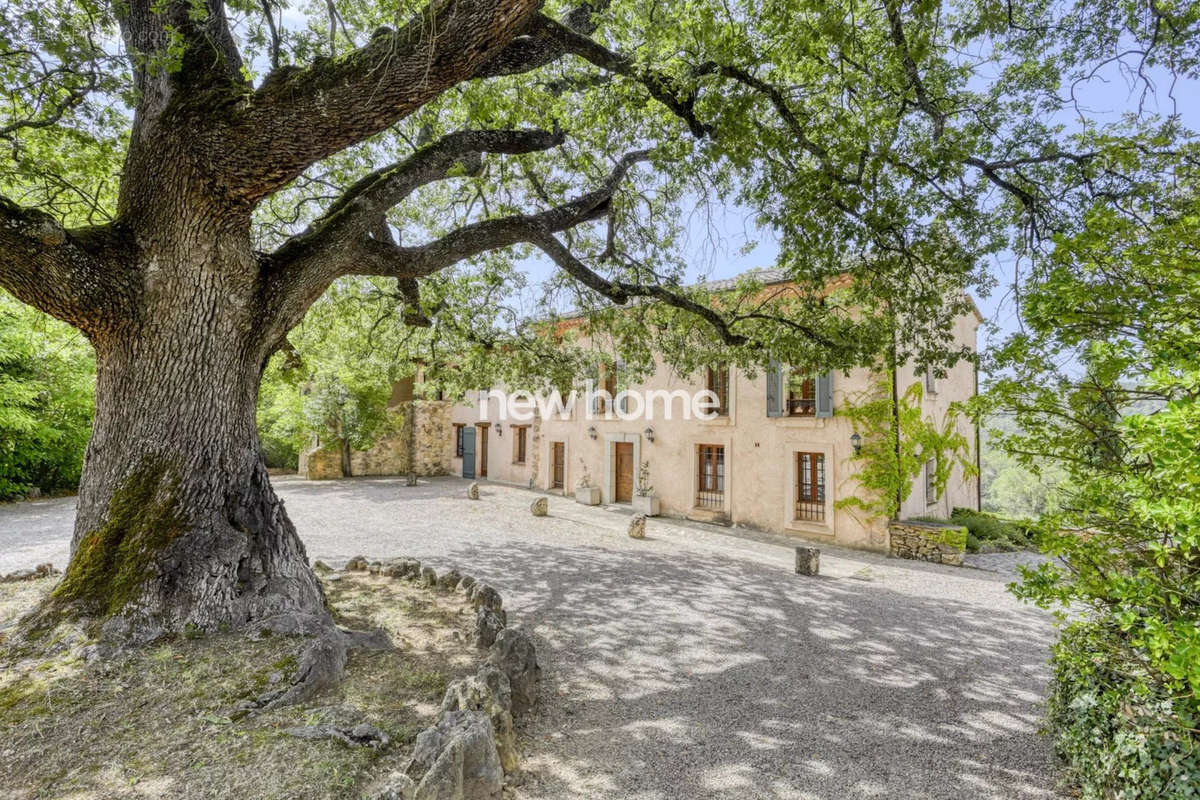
[[588, 495], [646, 504]]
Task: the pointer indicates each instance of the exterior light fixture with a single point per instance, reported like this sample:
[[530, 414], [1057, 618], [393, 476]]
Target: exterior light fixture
[[856, 443], [592, 432], [649, 434], [499, 428]]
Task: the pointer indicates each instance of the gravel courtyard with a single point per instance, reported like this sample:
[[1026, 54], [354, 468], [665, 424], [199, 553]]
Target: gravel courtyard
[[695, 664]]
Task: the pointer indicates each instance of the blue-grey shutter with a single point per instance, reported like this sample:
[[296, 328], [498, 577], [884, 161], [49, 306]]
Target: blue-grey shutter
[[468, 434], [825, 394], [774, 379]]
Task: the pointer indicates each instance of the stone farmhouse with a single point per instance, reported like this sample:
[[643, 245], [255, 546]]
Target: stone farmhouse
[[776, 455]]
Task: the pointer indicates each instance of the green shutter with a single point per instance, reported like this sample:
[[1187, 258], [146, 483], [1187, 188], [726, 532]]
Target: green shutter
[[774, 379], [825, 394]]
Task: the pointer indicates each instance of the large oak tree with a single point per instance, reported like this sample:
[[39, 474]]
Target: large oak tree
[[264, 155]]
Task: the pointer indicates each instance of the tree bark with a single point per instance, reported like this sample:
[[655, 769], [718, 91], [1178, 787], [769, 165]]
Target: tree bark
[[177, 523]]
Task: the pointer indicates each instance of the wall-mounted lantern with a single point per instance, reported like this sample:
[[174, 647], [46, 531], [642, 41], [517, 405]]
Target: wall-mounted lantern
[[499, 428], [592, 432], [649, 434], [856, 443]]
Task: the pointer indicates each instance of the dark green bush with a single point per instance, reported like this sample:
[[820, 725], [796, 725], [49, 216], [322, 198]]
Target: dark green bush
[[1121, 735]]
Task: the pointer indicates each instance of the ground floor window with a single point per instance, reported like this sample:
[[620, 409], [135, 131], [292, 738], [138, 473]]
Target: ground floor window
[[458, 444], [810, 487], [558, 464], [931, 492], [710, 484]]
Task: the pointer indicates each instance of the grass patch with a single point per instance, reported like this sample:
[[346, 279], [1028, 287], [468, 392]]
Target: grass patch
[[158, 721]]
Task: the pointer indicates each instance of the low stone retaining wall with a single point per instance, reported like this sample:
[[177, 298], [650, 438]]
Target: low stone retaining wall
[[928, 541], [472, 746]]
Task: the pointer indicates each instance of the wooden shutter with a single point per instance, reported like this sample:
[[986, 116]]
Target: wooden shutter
[[825, 394], [774, 380], [468, 453]]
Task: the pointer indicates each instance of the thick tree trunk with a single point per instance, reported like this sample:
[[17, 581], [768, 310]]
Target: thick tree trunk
[[177, 523]]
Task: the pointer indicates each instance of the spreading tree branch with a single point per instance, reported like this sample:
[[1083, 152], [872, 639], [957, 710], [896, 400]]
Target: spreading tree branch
[[71, 274], [300, 116], [304, 266]]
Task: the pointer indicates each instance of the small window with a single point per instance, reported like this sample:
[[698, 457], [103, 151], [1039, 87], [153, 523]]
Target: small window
[[710, 492], [930, 382], [519, 437], [810, 487], [458, 441], [801, 393], [606, 382], [931, 492], [717, 382]]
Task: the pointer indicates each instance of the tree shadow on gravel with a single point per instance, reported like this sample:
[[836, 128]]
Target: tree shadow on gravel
[[689, 676]]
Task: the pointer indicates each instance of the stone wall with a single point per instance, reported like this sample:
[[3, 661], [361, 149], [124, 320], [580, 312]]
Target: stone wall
[[320, 463], [927, 541], [392, 455]]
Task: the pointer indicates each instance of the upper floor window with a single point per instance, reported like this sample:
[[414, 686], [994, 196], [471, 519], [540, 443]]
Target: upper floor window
[[801, 393], [519, 443], [930, 382], [717, 382]]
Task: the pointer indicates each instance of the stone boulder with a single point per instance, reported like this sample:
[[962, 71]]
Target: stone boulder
[[473, 491], [450, 579], [488, 625], [488, 692], [515, 655], [401, 568], [637, 526], [484, 596], [428, 576], [357, 564], [466, 583], [457, 759], [539, 507]]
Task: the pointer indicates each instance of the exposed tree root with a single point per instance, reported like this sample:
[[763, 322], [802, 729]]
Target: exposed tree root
[[322, 665]]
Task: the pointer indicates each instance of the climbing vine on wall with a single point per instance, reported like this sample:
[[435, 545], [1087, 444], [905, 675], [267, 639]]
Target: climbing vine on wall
[[887, 468]]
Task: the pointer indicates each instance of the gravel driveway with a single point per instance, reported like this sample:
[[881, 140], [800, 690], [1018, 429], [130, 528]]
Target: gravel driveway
[[695, 664]]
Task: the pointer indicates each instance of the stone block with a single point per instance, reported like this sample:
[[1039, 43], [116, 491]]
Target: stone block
[[808, 561]]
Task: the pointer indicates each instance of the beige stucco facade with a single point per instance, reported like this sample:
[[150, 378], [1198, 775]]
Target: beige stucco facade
[[760, 452]]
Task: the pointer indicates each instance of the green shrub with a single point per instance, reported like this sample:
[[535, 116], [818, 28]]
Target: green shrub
[[993, 531], [1121, 735], [47, 377]]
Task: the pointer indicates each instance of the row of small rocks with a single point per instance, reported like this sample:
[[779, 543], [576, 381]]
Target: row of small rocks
[[490, 617], [40, 571], [540, 507], [473, 745]]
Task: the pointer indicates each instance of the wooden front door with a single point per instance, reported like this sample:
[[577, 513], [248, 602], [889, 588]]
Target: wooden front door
[[623, 472], [483, 453], [558, 464]]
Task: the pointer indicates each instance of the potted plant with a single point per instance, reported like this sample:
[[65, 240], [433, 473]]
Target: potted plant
[[584, 491], [644, 500]]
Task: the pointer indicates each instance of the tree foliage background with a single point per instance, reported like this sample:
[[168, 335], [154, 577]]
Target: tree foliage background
[[47, 374]]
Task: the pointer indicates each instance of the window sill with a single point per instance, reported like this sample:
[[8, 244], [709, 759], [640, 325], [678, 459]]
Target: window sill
[[813, 528], [801, 422]]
